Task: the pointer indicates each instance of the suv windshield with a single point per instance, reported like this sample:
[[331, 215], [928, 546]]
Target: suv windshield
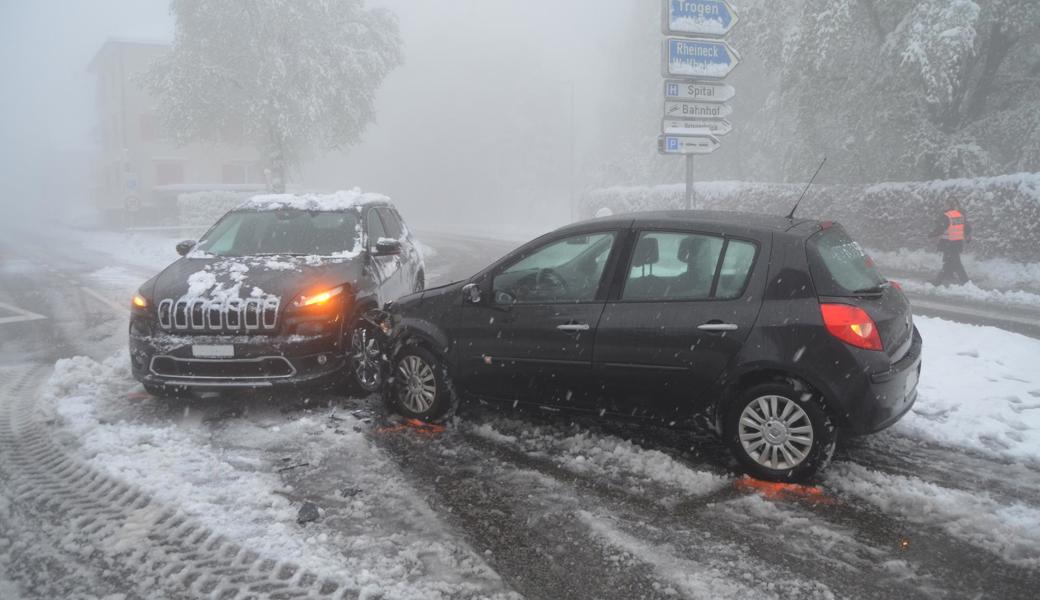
[[839, 266], [251, 233]]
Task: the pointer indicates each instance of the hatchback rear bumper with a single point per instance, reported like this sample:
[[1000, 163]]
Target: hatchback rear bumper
[[889, 394]]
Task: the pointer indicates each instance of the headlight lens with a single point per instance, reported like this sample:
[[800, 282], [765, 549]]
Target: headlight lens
[[139, 302], [317, 299]]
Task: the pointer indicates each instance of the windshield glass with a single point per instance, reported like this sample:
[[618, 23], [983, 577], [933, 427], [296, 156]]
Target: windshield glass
[[284, 232], [839, 265]]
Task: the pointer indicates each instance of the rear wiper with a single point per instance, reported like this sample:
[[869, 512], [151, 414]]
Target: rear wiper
[[872, 291]]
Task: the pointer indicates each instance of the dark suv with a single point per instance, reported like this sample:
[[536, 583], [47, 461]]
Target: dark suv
[[776, 332], [272, 296]]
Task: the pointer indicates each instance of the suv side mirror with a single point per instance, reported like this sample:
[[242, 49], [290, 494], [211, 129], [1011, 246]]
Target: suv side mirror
[[472, 294], [387, 247], [185, 247]]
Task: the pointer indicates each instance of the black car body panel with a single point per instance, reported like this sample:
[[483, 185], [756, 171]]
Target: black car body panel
[[217, 322], [611, 352]]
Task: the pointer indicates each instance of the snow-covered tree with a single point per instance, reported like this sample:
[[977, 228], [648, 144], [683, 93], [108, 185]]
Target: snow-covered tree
[[288, 76], [887, 89]]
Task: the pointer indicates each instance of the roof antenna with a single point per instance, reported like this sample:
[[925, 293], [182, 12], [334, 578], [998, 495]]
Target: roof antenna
[[818, 169]]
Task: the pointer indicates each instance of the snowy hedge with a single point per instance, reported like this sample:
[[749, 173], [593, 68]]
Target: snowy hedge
[[202, 209], [1005, 210]]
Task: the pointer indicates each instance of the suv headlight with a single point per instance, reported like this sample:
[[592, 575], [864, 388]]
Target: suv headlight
[[319, 299]]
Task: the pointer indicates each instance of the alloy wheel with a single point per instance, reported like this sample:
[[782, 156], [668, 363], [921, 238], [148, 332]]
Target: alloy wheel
[[417, 384], [776, 432], [365, 352]]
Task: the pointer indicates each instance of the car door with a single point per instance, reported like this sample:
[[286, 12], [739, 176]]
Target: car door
[[408, 260], [386, 268], [681, 312], [530, 340]]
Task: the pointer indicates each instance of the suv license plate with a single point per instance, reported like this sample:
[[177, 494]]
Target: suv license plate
[[199, 351]]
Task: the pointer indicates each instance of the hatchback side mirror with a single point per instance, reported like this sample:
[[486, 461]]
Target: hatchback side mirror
[[386, 247], [185, 247], [472, 294]]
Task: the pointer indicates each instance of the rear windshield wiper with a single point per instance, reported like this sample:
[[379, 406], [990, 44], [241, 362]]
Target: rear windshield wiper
[[871, 291]]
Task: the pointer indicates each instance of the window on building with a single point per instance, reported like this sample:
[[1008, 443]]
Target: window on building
[[169, 172]]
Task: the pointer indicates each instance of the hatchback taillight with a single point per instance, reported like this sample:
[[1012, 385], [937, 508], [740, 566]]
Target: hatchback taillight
[[851, 325]]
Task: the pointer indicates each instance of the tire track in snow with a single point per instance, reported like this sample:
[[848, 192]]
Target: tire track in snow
[[143, 539], [937, 565], [956, 468]]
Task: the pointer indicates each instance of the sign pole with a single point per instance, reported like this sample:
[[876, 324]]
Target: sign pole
[[689, 182]]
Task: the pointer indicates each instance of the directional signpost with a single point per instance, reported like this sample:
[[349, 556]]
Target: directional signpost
[[694, 61], [697, 110], [697, 58], [699, 17], [716, 127], [696, 91], [689, 144]]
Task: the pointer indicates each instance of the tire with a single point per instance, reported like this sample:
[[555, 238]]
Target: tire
[[421, 388], [779, 431], [367, 372]]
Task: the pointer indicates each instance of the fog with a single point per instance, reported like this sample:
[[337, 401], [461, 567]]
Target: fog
[[476, 127]]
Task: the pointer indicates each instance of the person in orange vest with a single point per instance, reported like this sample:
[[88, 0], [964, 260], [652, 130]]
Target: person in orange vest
[[954, 233]]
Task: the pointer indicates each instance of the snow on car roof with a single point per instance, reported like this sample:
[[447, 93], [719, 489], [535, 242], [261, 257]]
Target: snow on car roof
[[338, 201]]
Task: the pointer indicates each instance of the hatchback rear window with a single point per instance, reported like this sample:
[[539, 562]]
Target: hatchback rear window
[[839, 266]]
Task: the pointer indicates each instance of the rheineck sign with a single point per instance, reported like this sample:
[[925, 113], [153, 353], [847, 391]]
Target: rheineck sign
[[699, 17], [698, 59]]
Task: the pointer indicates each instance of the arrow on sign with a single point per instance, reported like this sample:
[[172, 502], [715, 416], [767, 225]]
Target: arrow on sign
[[699, 17], [698, 92], [688, 144], [689, 126], [698, 59], [696, 110]]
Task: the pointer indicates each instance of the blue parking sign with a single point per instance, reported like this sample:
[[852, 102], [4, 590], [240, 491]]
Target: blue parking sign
[[672, 144]]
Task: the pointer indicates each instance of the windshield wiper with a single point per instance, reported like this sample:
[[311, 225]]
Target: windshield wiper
[[871, 291]]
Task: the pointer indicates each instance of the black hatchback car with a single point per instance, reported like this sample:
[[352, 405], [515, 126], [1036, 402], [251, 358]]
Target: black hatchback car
[[273, 295], [779, 332]]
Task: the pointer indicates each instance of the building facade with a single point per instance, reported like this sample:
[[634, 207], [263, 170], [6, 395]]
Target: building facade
[[139, 171]]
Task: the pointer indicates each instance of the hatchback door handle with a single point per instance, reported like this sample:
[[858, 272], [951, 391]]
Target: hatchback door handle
[[719, 327], [574, 327]]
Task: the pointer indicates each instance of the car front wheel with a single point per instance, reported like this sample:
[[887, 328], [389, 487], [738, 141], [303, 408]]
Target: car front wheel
[[780, 432], [421, 388], [366, 359]]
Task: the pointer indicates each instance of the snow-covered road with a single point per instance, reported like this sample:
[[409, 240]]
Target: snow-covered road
[[106, 491]]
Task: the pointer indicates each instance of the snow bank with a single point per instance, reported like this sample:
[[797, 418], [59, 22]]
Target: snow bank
[[1012, 532], [993, 273], [388, 543], [1005, 210], [979, 388]]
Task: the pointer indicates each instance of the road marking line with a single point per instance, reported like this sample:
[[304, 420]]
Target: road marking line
[[118, 308], [23, 315]]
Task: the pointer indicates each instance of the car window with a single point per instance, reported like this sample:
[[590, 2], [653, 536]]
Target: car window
[[839, 266], [568, 270], [375, 227], [673, 266], [736, 269], [391, 223]]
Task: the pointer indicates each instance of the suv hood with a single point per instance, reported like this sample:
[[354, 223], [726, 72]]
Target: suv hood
[[252, 276]]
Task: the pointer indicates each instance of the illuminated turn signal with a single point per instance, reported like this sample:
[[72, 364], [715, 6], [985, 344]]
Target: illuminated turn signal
[[139, 301], [317, 299]]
